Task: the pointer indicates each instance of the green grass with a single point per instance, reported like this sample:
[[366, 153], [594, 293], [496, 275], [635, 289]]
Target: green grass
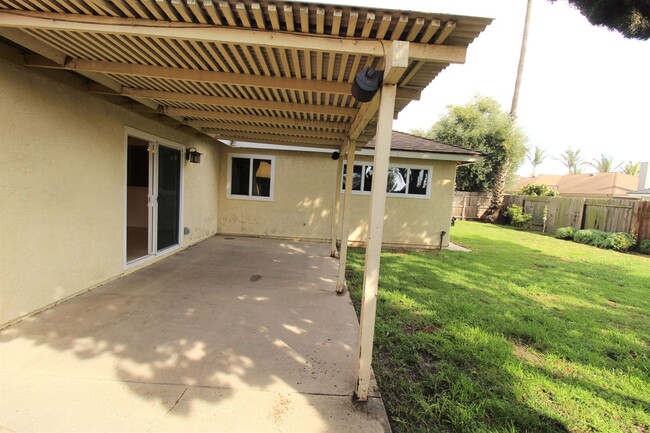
[[526, 333]]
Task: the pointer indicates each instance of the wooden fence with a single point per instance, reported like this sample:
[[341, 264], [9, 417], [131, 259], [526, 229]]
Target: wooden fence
[[610, 215], [470, 205]]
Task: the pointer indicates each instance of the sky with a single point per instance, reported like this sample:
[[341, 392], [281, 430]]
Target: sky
[[583, 87]]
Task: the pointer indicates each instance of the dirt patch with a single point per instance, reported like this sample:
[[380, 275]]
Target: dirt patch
[[527, 354], [429, 329]]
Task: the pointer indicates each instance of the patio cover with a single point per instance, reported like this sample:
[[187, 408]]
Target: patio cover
[[273, 72], [266, 72]]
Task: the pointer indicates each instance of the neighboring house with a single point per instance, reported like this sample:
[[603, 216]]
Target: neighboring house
[[595, 185], [643, 187], [106, 105], [643, 194]]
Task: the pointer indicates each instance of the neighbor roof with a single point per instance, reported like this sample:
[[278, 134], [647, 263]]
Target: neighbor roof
[[269, 71], [413, 143], [612, 184], [640, 192]]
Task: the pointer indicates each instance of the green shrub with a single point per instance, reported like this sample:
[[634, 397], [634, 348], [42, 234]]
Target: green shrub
[[539, 190], [621, 241], [565, 233], [516, 216], [644, 247], [596, 238]]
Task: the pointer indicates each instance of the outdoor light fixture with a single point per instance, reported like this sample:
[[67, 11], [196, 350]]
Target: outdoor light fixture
[[336, 155], [192, 155], [366, 83]]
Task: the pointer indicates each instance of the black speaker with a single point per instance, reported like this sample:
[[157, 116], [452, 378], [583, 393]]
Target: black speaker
[[366, 83]]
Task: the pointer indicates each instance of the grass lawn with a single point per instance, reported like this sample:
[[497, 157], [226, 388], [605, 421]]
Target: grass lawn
[[526, 333]]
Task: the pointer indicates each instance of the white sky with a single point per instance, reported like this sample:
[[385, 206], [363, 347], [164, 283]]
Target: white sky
[[583, 87]]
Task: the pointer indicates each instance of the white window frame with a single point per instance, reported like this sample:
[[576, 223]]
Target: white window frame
[[250, 195], [409, 167]]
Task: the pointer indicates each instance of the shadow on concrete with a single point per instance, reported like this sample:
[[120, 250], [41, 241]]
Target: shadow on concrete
[[242, 332]]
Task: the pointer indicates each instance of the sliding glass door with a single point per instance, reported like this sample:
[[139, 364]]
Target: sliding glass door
[[153, 206]]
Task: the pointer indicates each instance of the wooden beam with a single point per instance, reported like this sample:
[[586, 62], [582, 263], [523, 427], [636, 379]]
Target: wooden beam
[[223, 35], [375, 233], [229, 128], [228, 78], [396, 62], [445, 32], [221, 118], [232, 102], [21, 38], [189, 32], [346, 211], [336, 205], [282, 140]]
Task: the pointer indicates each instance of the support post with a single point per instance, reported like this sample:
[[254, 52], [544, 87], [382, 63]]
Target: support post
[[373, 248], [345, 224], [337, 200]]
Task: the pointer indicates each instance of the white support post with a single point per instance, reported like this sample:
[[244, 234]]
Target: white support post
[[375, 231], [337, 202], [345, 224]]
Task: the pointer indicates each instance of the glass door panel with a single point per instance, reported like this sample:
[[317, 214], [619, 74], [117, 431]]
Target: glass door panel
[[169, 197]]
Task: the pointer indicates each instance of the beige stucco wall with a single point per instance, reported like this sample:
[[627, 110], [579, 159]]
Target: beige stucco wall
[[62, 190], [411, 221], [303, 202], [304, 199]]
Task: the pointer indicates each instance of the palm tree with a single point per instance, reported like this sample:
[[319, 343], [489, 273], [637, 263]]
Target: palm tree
[[632, 168], [498, 190], [603, 165], [536, 158], [571, 160]]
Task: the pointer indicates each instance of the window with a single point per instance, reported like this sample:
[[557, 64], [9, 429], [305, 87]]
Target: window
[[251, 177], [403, 181]]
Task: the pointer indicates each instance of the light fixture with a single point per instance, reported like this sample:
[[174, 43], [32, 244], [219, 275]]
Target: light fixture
[[192, 155], [335, 155], [366, 83]]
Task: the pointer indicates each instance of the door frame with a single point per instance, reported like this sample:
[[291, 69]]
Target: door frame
[[133, 132]]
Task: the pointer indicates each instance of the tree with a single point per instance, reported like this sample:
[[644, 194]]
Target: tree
[[536, 157], [603, 165], [498, 189], [630, 17], [632, 168], [480, 125], [541, 190], [572, 160]]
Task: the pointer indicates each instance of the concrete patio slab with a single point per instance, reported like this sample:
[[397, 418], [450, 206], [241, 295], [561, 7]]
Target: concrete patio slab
[[231, 335]]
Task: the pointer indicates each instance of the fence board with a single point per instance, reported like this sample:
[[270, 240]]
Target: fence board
[[642, 223], [470, 205], [609, 215]]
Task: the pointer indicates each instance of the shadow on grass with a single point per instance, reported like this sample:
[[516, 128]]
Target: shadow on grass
[[518, 335]]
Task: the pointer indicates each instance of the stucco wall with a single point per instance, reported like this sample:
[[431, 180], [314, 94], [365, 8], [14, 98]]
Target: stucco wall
[[305, 194], [62, 189], [411, 221], [304, 197]]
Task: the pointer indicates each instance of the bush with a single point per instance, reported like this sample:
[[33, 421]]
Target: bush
[[596, 238], [644, 247], [515, 214], [565, 233], [539, 190], [621, 241]]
